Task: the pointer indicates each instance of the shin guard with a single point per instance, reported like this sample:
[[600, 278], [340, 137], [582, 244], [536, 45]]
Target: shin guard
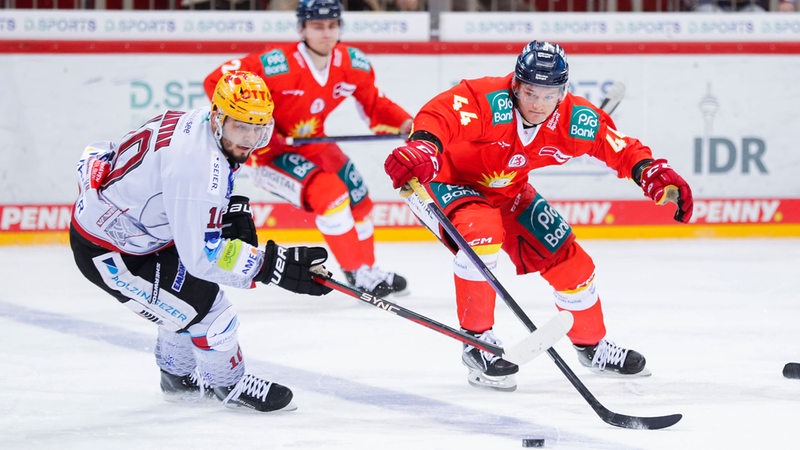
[[327, 197], [174, 353], [572, 277], [216, 344], [475, 301]]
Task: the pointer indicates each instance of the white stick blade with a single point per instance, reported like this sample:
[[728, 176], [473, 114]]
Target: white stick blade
[[614, 95], [540, 340]]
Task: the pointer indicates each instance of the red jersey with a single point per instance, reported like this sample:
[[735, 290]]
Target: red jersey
[[486, 147], [304, 98]]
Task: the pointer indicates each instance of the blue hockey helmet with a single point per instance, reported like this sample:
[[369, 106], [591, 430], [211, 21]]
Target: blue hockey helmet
[[318, 10], [542, 64]]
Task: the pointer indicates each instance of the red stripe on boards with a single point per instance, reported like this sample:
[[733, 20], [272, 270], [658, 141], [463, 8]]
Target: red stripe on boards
[[419, 48]]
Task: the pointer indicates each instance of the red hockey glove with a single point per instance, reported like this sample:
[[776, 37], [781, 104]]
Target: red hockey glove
[[662, 184], [416, 159]]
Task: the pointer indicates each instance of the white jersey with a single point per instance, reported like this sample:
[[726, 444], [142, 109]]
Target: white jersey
[[169, 183]]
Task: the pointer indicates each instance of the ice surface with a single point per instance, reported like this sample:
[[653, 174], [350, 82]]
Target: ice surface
[[716, 319]]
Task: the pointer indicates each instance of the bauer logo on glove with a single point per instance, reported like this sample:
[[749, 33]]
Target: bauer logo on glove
[[291, 268]]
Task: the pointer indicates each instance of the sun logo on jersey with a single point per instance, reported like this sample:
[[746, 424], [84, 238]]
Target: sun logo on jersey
[[498, 180], [305, 128]]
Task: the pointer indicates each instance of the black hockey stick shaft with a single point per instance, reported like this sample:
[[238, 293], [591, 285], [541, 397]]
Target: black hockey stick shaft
[[612, 418], [406, 313], [293, 141]]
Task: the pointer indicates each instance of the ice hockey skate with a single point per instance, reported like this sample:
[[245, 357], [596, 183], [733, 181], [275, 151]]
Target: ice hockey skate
[[254, 393], [185, 388], [487, 370], [607, 358], [375, 281]]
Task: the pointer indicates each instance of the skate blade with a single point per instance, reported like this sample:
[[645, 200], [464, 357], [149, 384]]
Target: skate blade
[[611, 374], [244, 409], [191, 399], [478, 379]]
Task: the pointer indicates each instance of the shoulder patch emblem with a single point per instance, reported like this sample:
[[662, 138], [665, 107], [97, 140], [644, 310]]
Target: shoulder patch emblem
[[583, 123], [502, 106], [358, 60], [274, 62]]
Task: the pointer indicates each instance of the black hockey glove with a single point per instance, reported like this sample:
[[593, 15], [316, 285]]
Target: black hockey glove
[[290, 268], [237, 221]]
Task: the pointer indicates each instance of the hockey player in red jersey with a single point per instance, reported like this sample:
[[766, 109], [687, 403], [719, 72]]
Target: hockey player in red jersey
[[308, 80], [475, 144], [156, 227]]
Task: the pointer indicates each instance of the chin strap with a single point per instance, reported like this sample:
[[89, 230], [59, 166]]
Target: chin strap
[[218, 119]]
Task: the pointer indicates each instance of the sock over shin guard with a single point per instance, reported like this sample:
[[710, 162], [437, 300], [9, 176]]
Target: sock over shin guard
[[174, 352], [475, 301], [572, 277]]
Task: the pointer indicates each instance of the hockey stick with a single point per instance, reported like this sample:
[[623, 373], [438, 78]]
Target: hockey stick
[[610, 417], [614, 96], [293, 141], [520, 353]]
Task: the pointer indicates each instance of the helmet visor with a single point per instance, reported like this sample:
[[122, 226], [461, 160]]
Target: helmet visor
[[247, 135]]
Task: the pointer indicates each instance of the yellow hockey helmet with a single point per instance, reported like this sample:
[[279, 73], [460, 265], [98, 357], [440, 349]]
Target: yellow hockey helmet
[[245, 97]]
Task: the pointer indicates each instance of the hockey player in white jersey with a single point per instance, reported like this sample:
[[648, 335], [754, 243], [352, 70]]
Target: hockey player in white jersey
[[156, 226]]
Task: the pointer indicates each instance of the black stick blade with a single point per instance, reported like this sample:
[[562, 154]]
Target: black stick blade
[[640, 423]]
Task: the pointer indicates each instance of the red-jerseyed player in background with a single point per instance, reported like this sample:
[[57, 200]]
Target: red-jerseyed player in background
[[476, 144], [308, 80]]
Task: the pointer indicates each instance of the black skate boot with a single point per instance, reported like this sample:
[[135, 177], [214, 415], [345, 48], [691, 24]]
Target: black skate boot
[[373, 280], [487, 370], [610, 359], [186, 387], [254, 393]]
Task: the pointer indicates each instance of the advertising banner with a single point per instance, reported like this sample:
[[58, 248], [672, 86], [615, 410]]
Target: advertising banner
[[620, 27], [262, 26], [725, 121]]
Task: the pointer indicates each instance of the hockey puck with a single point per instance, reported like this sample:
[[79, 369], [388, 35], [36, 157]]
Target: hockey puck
[[792, 370], [532, 442]]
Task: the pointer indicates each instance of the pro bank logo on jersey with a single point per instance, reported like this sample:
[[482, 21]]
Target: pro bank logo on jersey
[[274, 62], [502, 106], [545, 223], [358, 59], [583, 123], [448, 193]]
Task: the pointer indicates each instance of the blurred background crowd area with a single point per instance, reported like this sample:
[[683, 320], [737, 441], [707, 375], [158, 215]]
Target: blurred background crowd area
[[433, 6]]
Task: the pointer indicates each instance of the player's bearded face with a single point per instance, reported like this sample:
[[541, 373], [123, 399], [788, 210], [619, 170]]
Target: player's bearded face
[[536, 103], [321, 35], [239, 139]]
